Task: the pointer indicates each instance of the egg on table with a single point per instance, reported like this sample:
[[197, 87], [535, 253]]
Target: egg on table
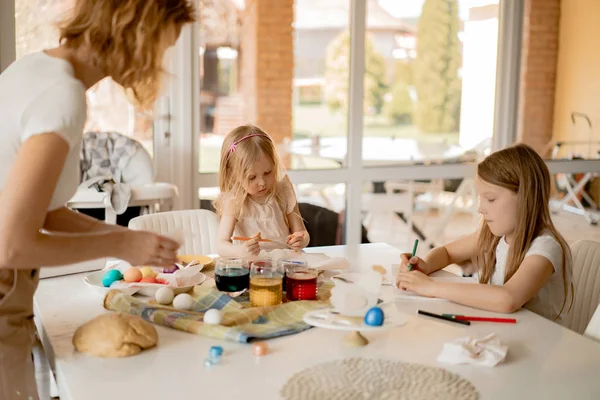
[[132, 274], [183, 301], [111, 276], [164, 295], [147, 272], [374, 317], [212, 317]]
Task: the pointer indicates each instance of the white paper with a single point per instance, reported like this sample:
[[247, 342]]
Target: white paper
[[408, 295]]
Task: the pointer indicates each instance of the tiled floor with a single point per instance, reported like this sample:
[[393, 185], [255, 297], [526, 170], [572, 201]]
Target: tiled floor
[[389, 228]]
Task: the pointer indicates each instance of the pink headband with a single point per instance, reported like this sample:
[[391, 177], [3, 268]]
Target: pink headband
[[234, 144]]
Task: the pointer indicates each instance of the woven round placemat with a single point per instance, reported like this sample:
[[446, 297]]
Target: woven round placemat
[[360, 378]]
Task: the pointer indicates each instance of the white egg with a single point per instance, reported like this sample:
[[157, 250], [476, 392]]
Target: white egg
[[183, 301], [164, 295], [212, 317]]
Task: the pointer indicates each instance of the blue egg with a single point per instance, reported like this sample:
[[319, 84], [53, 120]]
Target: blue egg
[[111, 276], [374, 317]]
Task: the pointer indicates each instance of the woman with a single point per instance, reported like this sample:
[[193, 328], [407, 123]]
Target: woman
[[43, 110]]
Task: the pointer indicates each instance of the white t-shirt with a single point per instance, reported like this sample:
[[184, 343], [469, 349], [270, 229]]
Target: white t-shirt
[[550, 298], [40, 94]]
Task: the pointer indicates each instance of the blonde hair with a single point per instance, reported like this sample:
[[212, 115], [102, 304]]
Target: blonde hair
[[127, 39], [235, 166], [521, 170]]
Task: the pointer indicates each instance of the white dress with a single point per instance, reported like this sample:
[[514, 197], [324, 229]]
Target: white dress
[[267, 218]]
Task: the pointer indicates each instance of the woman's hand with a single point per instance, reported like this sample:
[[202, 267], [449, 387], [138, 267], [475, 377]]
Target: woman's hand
[[417, 282], [147, 248], [252, 246], [296, 240]]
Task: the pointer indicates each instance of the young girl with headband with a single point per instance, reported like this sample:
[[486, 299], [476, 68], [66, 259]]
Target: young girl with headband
[[257, 200]]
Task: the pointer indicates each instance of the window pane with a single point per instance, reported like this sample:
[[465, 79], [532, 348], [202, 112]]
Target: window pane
[[108, 106], [284, 68], [430, 74]]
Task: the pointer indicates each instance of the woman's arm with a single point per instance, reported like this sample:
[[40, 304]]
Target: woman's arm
[[24, 203], [531, 276], [65, 220]]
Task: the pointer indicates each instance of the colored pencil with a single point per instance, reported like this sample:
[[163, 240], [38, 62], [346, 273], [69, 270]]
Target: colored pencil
[[457, 321], [410, 266], [247, 238], [481, 319]]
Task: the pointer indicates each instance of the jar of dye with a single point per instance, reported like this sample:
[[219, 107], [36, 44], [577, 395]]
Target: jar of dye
[[301, 281], [231, 274], [266, 283]]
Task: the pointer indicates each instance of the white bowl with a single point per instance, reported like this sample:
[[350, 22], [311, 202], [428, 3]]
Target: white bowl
[[355, 293], [94, 281]]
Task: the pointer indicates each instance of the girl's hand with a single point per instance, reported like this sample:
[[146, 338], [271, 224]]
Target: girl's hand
[[252, 246], [147, 248], [417, 263], [296, 240], [417, 282]]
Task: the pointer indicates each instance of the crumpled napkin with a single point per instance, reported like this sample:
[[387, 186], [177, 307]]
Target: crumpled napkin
[[487, 351]]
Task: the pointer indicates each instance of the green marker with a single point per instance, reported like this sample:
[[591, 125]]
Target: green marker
[[410, 266]]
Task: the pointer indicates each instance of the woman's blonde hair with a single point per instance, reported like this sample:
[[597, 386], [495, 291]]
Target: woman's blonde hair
[[521, 170], [127, 39], [237, 158]]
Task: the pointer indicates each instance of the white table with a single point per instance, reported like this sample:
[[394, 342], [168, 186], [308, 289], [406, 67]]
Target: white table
[[545, 361]]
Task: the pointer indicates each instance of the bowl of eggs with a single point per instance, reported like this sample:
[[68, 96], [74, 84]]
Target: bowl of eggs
[[145, 280]]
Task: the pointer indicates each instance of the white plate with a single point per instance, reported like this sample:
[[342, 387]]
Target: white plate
[[325, 318], [94, 280]]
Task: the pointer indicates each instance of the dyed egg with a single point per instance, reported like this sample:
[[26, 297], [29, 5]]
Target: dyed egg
[[170, 270], [260, 348], [111, 276], [374, 317], [132, 274], [212, 317], [183, 301], [147, 271], [148, 279], [164, 295]]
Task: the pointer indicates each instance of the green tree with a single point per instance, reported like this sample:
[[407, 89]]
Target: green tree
[[337, 63], [436, 67], [400, 107]]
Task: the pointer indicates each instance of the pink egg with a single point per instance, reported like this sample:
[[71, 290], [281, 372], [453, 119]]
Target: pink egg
[[132, 274], [260, 348], [148, 279]]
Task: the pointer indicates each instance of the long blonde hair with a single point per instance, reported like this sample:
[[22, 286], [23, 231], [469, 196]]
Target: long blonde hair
[[127, 39], [238, 157], [521, 170]]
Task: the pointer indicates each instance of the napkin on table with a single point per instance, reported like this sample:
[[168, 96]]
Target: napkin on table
[[487, 351]]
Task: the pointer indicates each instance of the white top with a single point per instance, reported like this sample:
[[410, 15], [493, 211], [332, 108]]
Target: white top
[[549, 300], [540, 351], [40, 94], [266, 218]]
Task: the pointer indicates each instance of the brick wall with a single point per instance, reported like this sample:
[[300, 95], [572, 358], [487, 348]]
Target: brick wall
[[268, 65], [538, 73]]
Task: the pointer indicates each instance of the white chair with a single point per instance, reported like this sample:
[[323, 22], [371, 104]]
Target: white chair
[[593, 329], [586, 278], [199, 228]]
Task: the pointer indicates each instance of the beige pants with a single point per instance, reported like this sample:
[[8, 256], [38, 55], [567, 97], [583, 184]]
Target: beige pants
[[17, 332]]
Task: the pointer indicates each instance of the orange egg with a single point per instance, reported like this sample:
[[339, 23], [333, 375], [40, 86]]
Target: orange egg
[[132, 274], [260, 348], [148, 279]]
